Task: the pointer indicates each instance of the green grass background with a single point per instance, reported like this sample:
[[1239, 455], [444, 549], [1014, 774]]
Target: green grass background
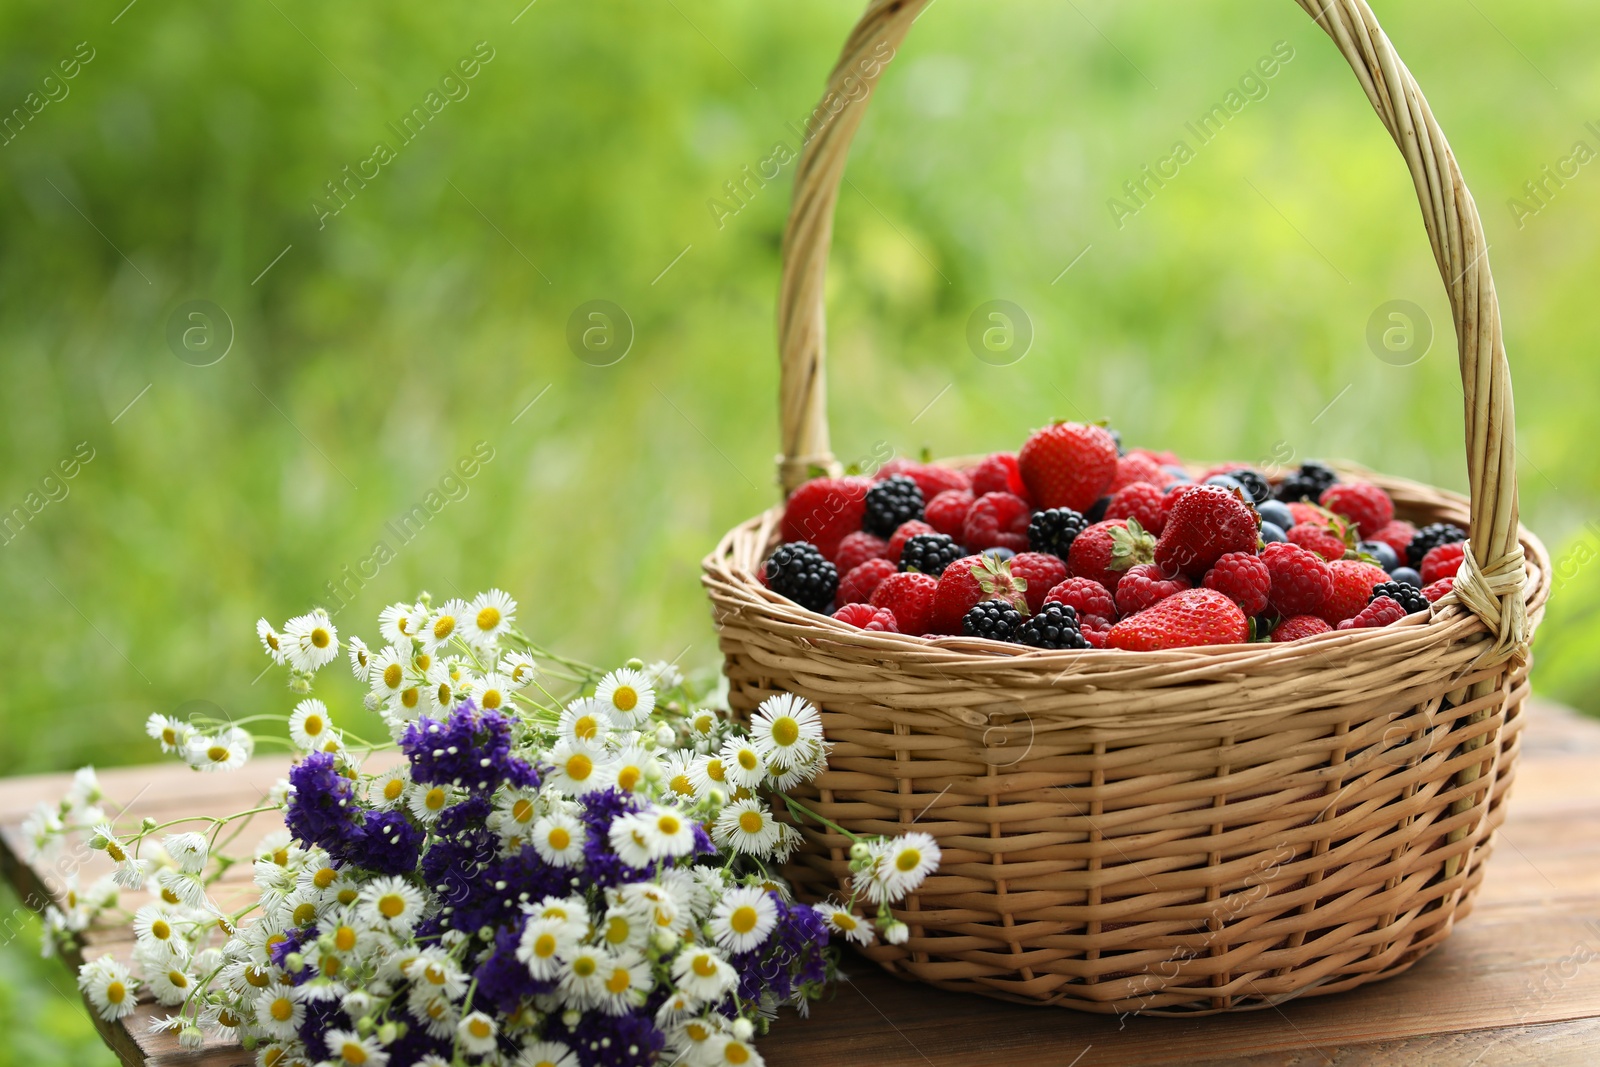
[[1219, 321]]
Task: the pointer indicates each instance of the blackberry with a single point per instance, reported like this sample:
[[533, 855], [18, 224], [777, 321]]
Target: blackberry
[[1255, 484], [893, 501], [1097, 510], [930, 553], [1053, 531], [1055, 626], [798, 571], [1432, 536], [997, 620], [1405, 594], [1307, 483]]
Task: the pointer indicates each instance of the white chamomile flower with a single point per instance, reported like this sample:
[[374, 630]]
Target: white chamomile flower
[[226, 751], [696, 1036], [632, 766], [171, 985], [428, 802], [173, 733], [577, 769], [677, 775], [85, 794], [515, 812], [743, 918], [701, 972], [841, 920], [43, 830], [437, 1012], [349, 1049], [273, 642], [787, 731], [279, 1012], [476, 1033], [489, 616], [544, 942], [569, 910], [109, 988], [312, 641], [746, 826], [400, 624], [492, 691], [626, 983], [434, 969], [742, 762], [155, 927], [519, 668], [732, 1051], [905, 862], [664, 675], [105, 840], [188, 851], [627, 696], [391, 904], [181, 886], [448, 621], [387, 675], [547, 1054], [130, 873], [662, 832], [388, 790], [360, 658], [583, 979], [309, 724], [583, 722], [629, 841], [559, 838], [444, 692], [708, 773]]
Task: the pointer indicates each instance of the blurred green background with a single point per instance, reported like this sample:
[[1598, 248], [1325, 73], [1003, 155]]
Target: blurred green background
[[374, 348]]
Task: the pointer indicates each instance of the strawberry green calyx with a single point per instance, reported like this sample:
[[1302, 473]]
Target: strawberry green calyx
[[994, 577], [1131, 546]]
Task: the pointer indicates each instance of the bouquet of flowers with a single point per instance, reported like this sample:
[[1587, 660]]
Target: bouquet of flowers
[[567, 868]]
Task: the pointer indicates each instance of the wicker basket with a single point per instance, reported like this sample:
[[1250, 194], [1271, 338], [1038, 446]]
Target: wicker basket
[[1167, 832]]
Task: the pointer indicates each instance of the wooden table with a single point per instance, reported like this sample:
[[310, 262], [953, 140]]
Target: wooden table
[[1517, 983]]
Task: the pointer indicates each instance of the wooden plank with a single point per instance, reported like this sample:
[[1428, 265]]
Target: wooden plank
[[1518, 981]]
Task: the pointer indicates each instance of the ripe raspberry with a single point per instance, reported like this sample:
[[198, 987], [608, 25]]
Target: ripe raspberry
[[1442, 562], [1381, 612], [1317, 537], [1353, 582], [997, 520], [1244, 579], [998, 474], [857, 548], [1136, 467], [1366, 505], [931, 478], [1042, 572], [1397, 534], [1106, 549], [1434, 590], [1297, 626], [1183, 620], [1301, 580], [947, 512], [823, 510], [1145, 585], [1303, 512], [909, 596], [1085, 596], [1141, 501], [967, 582], [798, 571], [907, 530], [1095, 629], [1068, 464], [867, 617], [858, 586], [1206, 523]]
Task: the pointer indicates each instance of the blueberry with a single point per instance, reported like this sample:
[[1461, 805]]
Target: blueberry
[[1098, 511], [1228, 482], [999, 554], [1383, 553], [1271, 531], [1406, 574], [1277, 513], [1177, 472]]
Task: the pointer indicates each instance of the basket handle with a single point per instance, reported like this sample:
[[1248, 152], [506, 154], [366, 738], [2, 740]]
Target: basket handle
[[1492, 576]]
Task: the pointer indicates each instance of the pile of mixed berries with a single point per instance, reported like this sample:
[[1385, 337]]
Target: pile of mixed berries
[[1075, 543]]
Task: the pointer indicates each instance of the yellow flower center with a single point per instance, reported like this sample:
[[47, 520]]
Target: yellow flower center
[[272, 642], [274, 1057], [390, 905], [409, 698], [628, 777], [705, 966], [256, 977], [114, 850], [435, 974], [281, 857], [169, 735], [305, 913], [479, 1027], [353, 1054], [579, 767], [714, 771], [681, 786], [488, 618], [585, 727], [217, 754], [282, 1009], [703, 721], [347, 896], [559, 839], [669, 824], [169, 896], [443, 626], [160, 930], [392, 675], [178, 979], [544, 946], [313, 725], [619, 981], [697, 1031], [743, 919], [228, 1018], [344, 939], [116, 993], [492, 698], [616, 930], [736, 1053], [392, 790], [583, 966], [626, 698], [844, 920], [434, 799], [748, 759], [522, 810], [320, 638], [908, 860], [751, 822], [423, 661]]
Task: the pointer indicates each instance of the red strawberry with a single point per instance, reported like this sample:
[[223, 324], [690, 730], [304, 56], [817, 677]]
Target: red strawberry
[[947, 512], [966, 582], [905, 532], [1205, 524], [1042, 571], [1442, 561], [1144, 585], [1138, 467], [1366, 505], [823, 510], [856, 549], [1085, 596], [1304, 512], [1318, 537], [1141, 501], [1068, 464], [997, 520], [1301, 580], [1297, 626], [1095, 629], [909, 596], [1434, 590], [1171, 496], [1397, 534], [1244, 579], [931, 478], [1353, 582], [1165, 459], [858, 586], [867, 617], [1182, 620], [1108, 548], [998, 474], [1381, 612]]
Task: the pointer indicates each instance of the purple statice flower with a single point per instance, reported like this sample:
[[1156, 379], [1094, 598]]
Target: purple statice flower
[[702, 841], [415, 1045], [292, 940], [321, 1016], [791, 957], [503, 980], [470, 749], [602, 1040], [493, 897], [387, 843], [322, 808], [601, 865]]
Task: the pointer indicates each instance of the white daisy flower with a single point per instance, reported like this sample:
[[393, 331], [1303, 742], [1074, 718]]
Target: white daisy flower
[[436, 970], [787, 731], [477, 1034], [519, 668], [405, 705], [677, 775], [400, 624], [783, 780], [578, 770], [279, 1012], [349, 1049], [547, 1054], [360, 658], [312, 641], [544, 942], [428, 802], [515, 812], [559, 838], [746, 826], [85, 793], [43, 830], [632, 766], [627, 696], [583, 723], [583, 979], [448, 621], [388, 790], [437, 1012], [226, 751], [708, 773], [273, 642], [130, 873], [170, 985], [387, 675], [905, 862], [743, 918], [390, 904], [742, 762], [188, 850], [309, 724], [186, 888], [694, 1038], [701, 972], [667, 832], [664, 675], [726, 1049], [488, 617], [173, 733], [109, 987], [492, 691], [443, 691], [844, 922], [627, 983], [572, 911]]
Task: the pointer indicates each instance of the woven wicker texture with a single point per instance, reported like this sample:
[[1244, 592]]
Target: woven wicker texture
[[1179, 832]]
